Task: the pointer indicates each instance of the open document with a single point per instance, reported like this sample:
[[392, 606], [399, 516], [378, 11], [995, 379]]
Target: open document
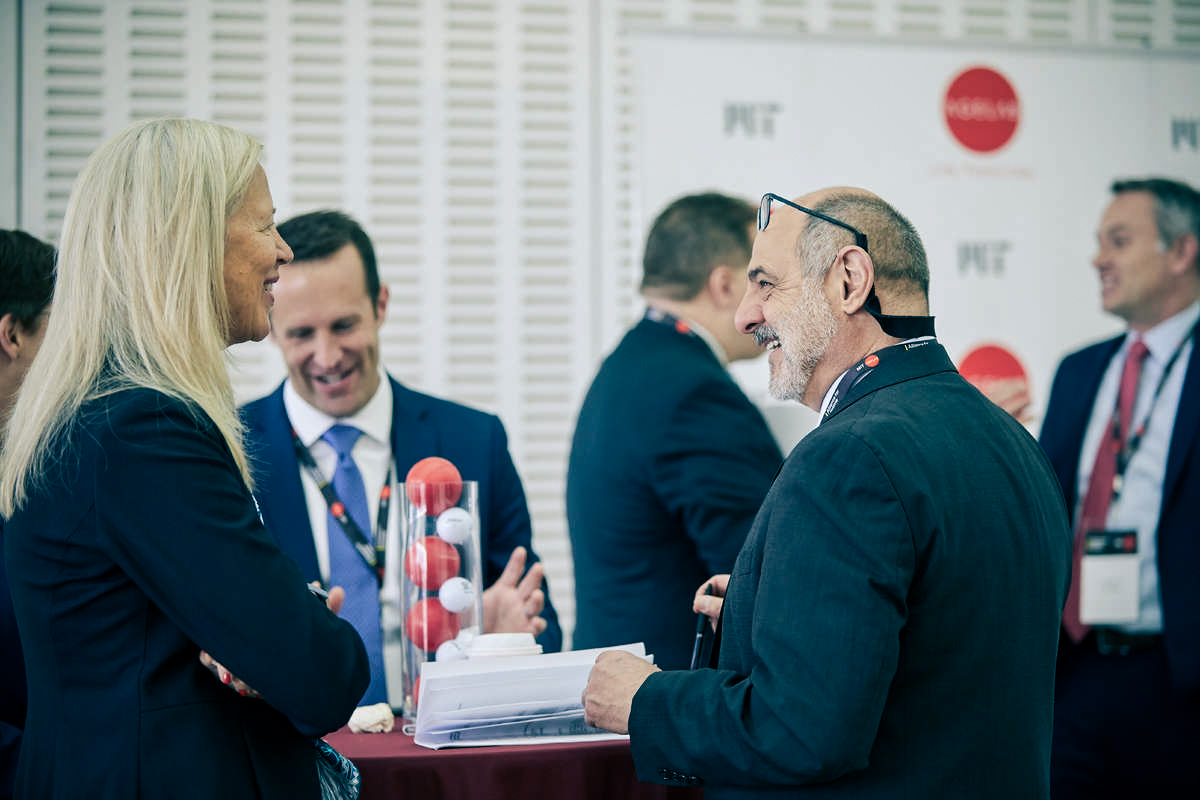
[[513, 700]]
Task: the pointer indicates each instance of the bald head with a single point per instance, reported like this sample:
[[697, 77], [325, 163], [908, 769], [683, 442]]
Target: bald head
[[901, 267]]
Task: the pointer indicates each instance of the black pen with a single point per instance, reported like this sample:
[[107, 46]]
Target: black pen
[[701, 621]]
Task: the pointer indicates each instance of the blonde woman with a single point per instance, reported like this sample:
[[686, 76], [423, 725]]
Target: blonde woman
[[133, 543]]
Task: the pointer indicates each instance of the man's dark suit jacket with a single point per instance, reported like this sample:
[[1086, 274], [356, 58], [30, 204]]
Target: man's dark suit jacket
[[891, 625], [1071, 398], [670, 462], [138, 548], [422, 426], [12, 684]]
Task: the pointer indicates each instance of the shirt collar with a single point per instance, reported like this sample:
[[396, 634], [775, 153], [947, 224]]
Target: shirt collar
[[709, 340], [1165, 337], [374, 419]]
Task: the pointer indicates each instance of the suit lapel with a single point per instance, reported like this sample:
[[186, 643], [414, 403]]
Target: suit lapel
[[1186, 422], [412, 437], [286, 515]]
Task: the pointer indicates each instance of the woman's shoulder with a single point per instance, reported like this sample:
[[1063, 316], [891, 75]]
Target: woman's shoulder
[[141, 409]]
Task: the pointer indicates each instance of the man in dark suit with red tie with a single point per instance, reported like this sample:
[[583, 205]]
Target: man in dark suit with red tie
[[1122, 430]]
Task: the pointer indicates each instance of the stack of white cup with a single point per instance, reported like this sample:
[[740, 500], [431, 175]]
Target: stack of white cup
[[495, 645]]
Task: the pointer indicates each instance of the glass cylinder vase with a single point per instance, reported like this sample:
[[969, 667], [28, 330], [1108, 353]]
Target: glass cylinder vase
[[438, 596]]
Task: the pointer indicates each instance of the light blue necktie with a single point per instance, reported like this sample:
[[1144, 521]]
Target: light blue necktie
[[347, 568]]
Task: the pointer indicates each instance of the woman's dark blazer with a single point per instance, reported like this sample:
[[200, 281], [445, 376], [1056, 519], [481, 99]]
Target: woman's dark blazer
[[139, 547]]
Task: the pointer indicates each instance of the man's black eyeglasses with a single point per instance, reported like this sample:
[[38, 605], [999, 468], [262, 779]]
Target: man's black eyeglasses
[[764, 217]]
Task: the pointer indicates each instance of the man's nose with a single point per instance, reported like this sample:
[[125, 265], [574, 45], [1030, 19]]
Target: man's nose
[[326, 351], [749, 314]]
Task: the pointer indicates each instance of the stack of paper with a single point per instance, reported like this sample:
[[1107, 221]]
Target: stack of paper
[[514, 700]]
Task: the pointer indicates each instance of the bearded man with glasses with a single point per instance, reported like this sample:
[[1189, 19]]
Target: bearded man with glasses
[[890, 626]]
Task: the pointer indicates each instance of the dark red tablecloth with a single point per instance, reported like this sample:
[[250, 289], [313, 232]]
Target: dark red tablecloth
[[393, 767]]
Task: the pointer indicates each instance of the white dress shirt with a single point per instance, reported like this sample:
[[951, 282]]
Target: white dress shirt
[[372, 454], [1138, 506]]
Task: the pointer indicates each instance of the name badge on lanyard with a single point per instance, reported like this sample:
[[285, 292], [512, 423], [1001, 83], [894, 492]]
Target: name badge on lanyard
[[1109, 578]]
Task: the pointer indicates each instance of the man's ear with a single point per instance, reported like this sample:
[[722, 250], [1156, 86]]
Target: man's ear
[[723, 286], [11, 334], [1184, 252], [857, 276], [381, 305]]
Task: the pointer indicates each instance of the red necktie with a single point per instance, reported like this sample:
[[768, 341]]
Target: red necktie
[[1100, 486]]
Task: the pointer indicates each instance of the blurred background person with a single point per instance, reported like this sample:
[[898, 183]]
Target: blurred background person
[[132, 540], [26, 284], [670, 460], [329, 308], [1122, 430]]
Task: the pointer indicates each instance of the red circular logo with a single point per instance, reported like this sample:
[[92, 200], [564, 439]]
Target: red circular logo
[[991, 362], [981, 109]]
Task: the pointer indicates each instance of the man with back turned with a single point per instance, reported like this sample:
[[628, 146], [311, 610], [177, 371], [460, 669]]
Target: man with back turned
[[670, 460]]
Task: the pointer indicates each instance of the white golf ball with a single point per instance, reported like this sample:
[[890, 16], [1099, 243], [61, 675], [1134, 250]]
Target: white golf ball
[[454, 525], [451, 650], [457, 595]]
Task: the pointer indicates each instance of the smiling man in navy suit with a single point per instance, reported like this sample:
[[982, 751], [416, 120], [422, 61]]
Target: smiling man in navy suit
[[329, 308], [1127, 709]]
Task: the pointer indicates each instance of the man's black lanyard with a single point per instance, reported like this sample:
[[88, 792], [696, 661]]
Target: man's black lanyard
[[855, 375], [1125, 454], [373, 556]]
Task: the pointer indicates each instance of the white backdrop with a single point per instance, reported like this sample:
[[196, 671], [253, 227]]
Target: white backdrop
[[1010, 233], [493, 150]]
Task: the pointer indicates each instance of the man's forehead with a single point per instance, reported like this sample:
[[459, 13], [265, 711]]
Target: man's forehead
[[1128, 210], [774, 252], [1132, 203]]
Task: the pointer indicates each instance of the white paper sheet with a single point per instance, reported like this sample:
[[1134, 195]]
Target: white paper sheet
[[510, 701]]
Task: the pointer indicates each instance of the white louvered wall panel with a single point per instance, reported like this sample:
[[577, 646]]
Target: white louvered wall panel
[[486, 145], [550, 150], [394, 198], [159, 59]]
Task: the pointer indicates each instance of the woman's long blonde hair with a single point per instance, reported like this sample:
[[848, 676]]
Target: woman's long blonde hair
[[139, 299]]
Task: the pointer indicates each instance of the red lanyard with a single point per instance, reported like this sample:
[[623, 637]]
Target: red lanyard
[[373, 556]]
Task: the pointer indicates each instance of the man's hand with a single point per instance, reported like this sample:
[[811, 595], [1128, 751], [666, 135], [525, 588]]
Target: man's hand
[[512, 604], [710, 604], [608, 696], [335, 597], [1012, 395]]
